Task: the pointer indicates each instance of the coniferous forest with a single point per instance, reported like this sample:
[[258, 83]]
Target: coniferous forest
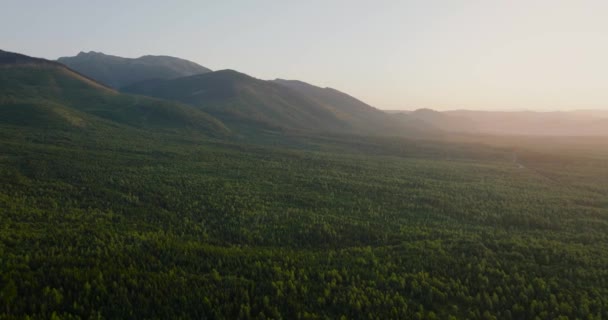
[[117, 228]]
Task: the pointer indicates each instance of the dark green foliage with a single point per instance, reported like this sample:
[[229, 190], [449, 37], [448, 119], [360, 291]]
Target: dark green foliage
[[160, 226]]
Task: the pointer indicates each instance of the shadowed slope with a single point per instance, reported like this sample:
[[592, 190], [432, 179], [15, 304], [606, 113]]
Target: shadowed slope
[[118, 71]]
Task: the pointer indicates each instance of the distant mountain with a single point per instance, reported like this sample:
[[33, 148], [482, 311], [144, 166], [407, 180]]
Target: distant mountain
[[241, 100], [40, 93], [566, 123], [118, 72], [531, 123], [440, 120]]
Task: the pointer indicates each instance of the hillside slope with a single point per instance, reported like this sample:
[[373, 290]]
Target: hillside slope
[[242, 100], [41, 93], [356, 112]]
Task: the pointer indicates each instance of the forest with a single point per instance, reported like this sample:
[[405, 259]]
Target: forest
[[129, 224]]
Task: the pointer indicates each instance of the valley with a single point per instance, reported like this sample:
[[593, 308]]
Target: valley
[[228, 197]]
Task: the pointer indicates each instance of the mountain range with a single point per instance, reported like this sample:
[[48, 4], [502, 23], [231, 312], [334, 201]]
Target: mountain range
[[43, 93], [168, 93], [241, 100]]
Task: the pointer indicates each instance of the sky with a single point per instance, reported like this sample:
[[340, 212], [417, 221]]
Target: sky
[[483, 55]]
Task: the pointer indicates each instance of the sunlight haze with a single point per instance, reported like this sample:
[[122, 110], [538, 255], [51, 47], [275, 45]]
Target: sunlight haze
[[487, 55]]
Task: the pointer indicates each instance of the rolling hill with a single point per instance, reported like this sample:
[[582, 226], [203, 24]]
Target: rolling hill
[[241, 100], [117, 71], [40, 93]]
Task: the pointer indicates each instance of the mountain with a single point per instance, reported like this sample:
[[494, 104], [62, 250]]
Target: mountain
[[242, 100], [118, 72], [40, 93], [354, 111]]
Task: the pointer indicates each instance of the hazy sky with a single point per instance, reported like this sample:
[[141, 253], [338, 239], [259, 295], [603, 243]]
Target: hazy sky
[[540, 55]]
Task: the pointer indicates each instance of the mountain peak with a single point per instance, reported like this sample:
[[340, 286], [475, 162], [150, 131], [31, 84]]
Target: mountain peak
[[118, 72], [233, 73], [90, 53], [426, 111]]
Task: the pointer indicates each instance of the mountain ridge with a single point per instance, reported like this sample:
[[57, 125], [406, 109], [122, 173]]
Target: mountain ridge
[[35, 92], [116, 71], [239, 99]]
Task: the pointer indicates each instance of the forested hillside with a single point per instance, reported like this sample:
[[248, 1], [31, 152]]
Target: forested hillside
[[41, 93], [247, 103]]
